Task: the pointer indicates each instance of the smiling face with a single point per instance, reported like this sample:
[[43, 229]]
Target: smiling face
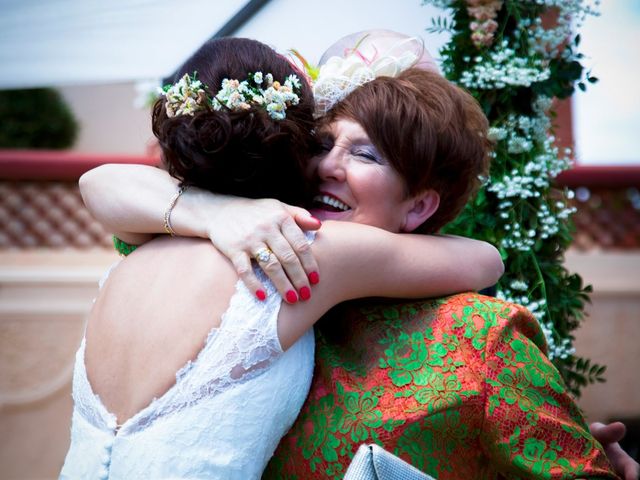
[[432, 137], [355, 182]]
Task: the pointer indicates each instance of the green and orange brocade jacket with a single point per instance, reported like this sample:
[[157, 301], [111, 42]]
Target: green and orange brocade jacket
[[459, 387]]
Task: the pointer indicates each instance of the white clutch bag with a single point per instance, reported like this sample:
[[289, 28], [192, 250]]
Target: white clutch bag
[[372, 462]]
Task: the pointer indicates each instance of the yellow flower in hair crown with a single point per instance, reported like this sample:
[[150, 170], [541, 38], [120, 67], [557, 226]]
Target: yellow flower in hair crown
[[189, 95], [339, 76], [185, 97]]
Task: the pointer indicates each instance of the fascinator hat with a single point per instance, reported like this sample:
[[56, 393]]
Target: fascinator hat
[[340, 75]]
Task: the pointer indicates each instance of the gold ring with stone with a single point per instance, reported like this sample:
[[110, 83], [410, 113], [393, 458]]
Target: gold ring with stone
[[263, 255]]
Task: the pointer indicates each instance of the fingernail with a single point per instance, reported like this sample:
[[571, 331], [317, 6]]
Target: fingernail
[[305, 293], [314, 278], [292, 297], [317, 220], [261, 295]]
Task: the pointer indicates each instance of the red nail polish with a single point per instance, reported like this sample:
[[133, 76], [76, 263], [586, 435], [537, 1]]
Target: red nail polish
[[305, 293], [314, 278], [292, 297], [261, 295]]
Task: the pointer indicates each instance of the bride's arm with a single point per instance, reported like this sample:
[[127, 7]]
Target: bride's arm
[[130, 201], [362, 261]]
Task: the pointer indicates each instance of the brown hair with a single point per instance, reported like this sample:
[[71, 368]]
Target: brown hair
[[432, 132], [244, 152]]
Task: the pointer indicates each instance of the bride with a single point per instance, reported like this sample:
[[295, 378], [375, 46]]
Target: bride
[[184, 371]]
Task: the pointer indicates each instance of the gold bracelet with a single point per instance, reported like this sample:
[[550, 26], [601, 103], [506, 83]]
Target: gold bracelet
[[167, 212]]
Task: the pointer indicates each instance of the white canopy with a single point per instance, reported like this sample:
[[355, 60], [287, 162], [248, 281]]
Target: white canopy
[[58, 42]]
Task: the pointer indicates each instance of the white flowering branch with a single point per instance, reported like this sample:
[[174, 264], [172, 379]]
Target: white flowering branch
[[514, 63]]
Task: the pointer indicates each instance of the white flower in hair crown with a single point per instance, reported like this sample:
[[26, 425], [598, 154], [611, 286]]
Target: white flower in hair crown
[[185, 97], [188, 95], [339, 76]]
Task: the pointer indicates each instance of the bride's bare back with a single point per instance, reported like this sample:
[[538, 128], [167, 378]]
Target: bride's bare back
[[151, 317]]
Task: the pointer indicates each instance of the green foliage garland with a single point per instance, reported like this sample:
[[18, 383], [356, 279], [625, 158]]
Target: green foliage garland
[[514, 65]]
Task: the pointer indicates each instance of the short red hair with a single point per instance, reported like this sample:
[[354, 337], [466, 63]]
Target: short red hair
[[431, 131]]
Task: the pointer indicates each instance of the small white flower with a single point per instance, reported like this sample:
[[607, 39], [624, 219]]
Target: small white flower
[[497, 134], [519, 285], [292, 82], [276, 111]]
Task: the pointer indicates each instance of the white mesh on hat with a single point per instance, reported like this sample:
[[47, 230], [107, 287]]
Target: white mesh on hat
[[339, 76]]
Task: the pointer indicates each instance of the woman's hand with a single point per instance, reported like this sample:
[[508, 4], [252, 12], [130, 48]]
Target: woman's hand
[[609, 437], [242, 228]]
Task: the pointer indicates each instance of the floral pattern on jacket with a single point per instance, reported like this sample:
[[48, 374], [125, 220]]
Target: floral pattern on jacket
[[459, 387]]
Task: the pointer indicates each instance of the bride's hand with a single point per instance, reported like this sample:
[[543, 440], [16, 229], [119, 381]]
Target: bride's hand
[[130, 201], [243, 228]]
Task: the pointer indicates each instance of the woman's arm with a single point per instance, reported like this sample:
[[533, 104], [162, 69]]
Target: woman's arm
[[532, 426], [363, 261], [130, 200]]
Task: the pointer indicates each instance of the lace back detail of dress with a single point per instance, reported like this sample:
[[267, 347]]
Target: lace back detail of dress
[[85, 401], [242, 347]]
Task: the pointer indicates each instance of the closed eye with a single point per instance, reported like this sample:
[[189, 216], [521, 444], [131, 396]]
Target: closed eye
[[366, 155]]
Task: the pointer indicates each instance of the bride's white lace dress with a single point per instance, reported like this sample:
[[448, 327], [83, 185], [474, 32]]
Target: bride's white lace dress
[[222, 419]]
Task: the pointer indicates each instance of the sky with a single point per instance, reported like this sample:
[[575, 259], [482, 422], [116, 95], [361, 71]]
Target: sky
[[607, 115]]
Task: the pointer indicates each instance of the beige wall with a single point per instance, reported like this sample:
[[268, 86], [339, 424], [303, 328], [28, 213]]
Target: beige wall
[[610, 334], [44, 297], [611, 337], [109, 122]]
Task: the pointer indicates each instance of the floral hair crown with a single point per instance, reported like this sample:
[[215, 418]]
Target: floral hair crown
[[189, 95]]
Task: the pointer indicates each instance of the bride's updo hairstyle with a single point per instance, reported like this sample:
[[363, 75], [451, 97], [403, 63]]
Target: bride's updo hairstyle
[[244, 152], [433, 133]]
